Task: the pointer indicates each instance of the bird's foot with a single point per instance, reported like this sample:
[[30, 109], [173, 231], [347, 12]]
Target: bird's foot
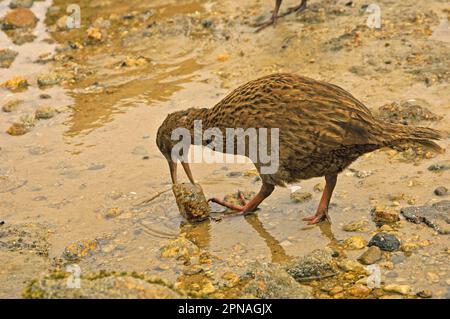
[[301, 7], [245, 208], [263, 25], [320, 216], [290, 10]]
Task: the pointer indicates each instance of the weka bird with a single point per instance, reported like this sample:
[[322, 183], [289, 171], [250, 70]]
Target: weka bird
[[275, 15], [322, 130]]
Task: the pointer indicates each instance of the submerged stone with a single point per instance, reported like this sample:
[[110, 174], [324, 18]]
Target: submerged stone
[[355, 242], [300, 197], [358, 226], [11, 105], [318, 264], [7, 57], [370, 256], [45, 112], [382, 215], [80, 249]]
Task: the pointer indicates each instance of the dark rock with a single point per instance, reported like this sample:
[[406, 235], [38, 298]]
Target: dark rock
[[267, 281], [440, 166], [385, 241], [424, 293], [435, 216], [45, 96], [234, 174], [441, 191], [206, 23]]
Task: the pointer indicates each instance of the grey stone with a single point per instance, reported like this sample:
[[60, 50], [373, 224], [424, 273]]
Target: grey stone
[[440, 166], [435, 216]]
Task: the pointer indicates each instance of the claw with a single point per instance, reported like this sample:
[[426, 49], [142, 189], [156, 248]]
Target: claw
[[317, 218]]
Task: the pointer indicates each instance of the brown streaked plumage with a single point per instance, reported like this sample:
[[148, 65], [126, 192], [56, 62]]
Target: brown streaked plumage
[[275, 15], [323, 129]]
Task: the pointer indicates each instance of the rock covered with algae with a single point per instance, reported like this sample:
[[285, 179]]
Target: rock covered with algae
[[191, 201], [100, 285], [267, 281], [316, 265]]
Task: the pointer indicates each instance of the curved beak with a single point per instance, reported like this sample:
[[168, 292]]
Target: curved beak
[[173, 171]]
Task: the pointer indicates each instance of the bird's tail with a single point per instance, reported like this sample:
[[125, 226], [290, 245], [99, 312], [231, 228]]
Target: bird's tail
[[397, 134]]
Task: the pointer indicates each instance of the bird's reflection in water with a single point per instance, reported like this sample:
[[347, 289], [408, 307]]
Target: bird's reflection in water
[[276, 250], [326, 230], [200, 235]]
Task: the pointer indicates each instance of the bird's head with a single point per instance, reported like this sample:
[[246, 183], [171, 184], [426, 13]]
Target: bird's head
[[177, 122]]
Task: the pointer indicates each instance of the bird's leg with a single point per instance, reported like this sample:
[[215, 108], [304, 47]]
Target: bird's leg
[[249, 206], [322, 210], [273, 19], [298, 9]]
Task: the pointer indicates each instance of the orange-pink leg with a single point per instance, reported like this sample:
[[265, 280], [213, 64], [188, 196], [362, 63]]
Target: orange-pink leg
[[249, 206], [322, 210]]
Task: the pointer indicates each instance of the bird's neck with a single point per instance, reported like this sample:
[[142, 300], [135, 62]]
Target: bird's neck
[[198, 122]]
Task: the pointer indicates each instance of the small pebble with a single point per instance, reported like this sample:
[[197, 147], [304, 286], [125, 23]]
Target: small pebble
[[441, 191]]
